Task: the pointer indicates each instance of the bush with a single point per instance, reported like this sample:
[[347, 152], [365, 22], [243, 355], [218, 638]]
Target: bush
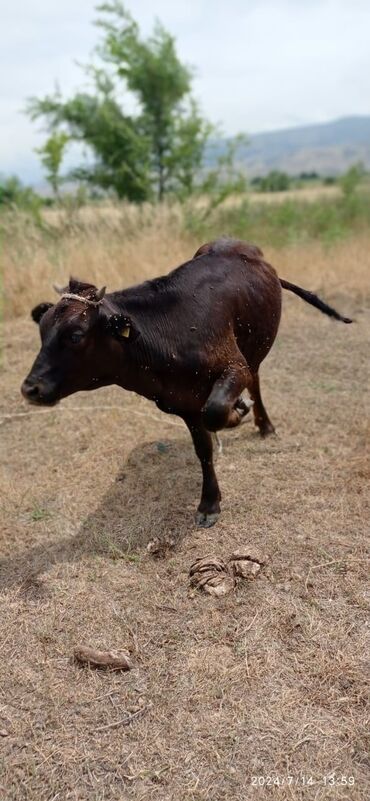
[[13, 193], [351, 179], [275, 181]]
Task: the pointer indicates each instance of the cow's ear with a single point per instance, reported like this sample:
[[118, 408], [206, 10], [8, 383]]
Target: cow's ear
[[40, 310], [121, 327]]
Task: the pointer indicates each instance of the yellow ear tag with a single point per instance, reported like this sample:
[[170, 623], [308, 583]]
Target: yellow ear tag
[[125, 331]]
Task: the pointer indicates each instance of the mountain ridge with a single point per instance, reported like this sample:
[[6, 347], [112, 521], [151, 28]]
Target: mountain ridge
[[328, 148]]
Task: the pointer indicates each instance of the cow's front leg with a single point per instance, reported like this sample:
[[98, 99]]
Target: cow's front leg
[[225, 408], [209, 507]]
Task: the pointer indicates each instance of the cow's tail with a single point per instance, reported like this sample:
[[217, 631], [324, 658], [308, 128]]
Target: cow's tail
[[309, 297]]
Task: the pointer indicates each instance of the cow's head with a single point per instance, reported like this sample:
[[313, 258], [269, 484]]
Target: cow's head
[[82, 337]]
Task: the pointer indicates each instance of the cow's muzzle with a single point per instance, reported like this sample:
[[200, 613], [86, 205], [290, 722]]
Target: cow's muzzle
[[38, 392]]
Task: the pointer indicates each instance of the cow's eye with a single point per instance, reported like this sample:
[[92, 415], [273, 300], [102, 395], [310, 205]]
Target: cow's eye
[[76, 337]]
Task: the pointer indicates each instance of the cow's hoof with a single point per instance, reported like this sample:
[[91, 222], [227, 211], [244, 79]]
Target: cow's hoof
[[204, 520], [267, 430]]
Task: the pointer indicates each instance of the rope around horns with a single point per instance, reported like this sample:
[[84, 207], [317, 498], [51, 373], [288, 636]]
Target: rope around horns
[[72, 296]]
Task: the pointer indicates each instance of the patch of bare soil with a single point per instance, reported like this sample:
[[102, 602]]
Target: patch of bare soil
[[228, 694]]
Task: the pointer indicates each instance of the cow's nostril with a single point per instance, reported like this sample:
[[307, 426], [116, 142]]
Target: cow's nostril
[[30, 391]]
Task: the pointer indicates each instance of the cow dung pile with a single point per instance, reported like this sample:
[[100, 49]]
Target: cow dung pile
[[216, 577], [247, 562], [211, 575]]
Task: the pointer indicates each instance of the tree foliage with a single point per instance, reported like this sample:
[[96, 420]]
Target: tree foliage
[[120, 156], [51, 154], [156, 150], [225, 178]]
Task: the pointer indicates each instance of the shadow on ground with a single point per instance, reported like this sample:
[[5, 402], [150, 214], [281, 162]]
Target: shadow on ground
[[154, 494]]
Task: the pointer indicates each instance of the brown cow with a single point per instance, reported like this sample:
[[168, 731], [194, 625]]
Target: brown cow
[[191, 341]]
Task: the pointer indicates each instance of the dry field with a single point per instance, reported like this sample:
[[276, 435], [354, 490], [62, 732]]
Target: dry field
[[123, 244], [270, 681], [303, 194]]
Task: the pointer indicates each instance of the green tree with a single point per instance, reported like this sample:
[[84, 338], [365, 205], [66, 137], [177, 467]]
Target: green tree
[[159, 149], [51, 156]]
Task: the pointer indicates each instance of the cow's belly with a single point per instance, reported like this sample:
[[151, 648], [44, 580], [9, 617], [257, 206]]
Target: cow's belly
[[185, 398]]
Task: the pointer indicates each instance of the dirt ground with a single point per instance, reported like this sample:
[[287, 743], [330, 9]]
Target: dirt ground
[[261, 694]]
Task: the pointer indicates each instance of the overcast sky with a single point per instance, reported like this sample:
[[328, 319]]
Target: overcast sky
[[260, 64]]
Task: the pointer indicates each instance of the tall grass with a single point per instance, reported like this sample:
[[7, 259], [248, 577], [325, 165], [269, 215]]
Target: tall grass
[[290, 221], [324, 243]]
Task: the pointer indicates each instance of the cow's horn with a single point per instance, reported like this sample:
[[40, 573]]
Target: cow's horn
[[100, 294], [59, 289]]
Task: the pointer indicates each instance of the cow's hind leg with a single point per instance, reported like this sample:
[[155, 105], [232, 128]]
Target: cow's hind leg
[[209, 507], [261, 417], [225, 408]]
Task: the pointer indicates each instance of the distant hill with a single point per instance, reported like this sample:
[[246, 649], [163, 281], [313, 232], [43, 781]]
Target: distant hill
[[329, 148]]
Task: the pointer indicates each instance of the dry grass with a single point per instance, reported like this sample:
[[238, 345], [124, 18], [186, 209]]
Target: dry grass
[[115, 247], [269, 681], [122, 244], [307, 193]]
